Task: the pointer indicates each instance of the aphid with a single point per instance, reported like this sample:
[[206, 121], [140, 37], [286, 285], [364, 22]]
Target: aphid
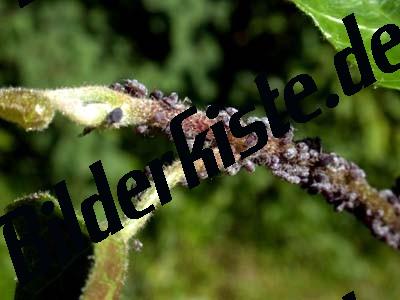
[[390, 196], [171, 100], [314, 154], [187, 101], [135, 88], [302, 147], [304, 156], [233, 169], [251, 140], [159, 117], [221, 137], [131, 87], [231, 110], [156, 95], [320, 177], [142, 129], [290, 153], [313, 143], [174, 97], [355, 172], [114, 116], [325, 159], [249, 166], [224, 117], [274, 163], [117, 87]]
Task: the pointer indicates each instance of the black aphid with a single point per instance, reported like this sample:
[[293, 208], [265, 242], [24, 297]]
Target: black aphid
[[117, 87], [172, 100], [114, 116], [157, 95], [135, 88], [131, 87]]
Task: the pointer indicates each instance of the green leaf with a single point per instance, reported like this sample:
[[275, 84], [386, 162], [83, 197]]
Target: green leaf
[[370, 15]]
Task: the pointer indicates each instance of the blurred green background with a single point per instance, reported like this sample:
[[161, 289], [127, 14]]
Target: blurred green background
[[250, 236]]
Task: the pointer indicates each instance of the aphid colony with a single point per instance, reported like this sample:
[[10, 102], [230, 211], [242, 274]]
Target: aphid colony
[[301, 162]]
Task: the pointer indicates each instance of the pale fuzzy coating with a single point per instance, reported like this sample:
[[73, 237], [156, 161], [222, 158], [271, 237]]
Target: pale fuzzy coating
[[89, 106], [108, 273], [86, 106]]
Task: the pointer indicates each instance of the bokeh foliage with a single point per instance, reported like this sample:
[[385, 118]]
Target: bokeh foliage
[[250, 236]]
